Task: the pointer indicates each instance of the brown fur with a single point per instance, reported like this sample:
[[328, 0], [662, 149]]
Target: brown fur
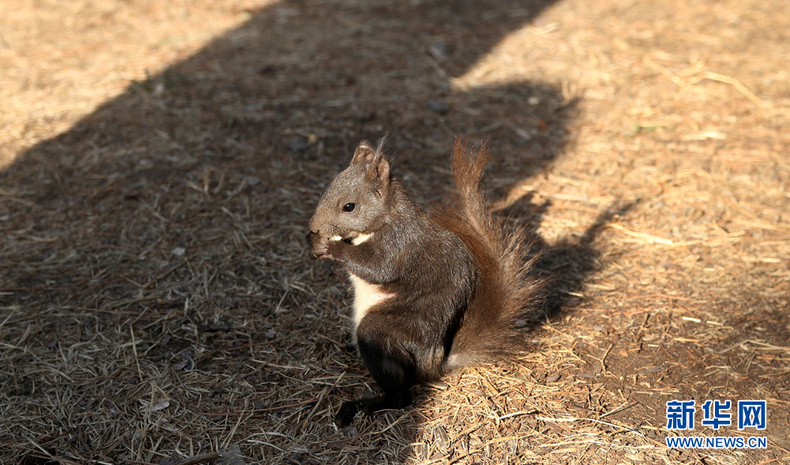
[[505, 292], [440, 290]]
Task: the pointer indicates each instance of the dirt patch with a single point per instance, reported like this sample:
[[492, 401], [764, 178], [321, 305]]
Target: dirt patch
[[157, 300]]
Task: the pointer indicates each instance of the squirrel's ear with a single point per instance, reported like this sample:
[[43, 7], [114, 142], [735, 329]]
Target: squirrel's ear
[[379, 173], [377, 168], [364, 153]]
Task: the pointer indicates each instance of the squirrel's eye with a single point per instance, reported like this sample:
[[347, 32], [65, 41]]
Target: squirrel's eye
[[349, 207]]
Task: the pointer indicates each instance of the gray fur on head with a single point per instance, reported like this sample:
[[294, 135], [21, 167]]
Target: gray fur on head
[[355, 203]]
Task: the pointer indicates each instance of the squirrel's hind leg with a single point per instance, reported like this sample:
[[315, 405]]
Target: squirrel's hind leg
[[390, 364]]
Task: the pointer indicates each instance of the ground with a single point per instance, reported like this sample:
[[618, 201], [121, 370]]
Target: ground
[[159, 162]]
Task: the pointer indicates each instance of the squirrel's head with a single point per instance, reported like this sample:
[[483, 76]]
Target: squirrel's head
[[355, 203]]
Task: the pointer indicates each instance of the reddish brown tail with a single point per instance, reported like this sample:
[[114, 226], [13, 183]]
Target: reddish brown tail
[[492, 327]]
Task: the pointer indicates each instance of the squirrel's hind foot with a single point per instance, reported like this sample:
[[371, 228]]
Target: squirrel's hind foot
[[345, 416]]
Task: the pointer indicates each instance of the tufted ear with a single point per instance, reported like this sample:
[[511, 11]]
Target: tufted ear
[[376, 166], [364, 153]]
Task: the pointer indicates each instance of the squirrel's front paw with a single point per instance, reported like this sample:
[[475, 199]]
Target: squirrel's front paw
[[319, 246]]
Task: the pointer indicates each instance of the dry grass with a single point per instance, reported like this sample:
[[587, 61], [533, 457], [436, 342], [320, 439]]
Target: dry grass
[[157, 301]]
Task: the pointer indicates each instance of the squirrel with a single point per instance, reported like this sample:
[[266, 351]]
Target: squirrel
[[434, 290]]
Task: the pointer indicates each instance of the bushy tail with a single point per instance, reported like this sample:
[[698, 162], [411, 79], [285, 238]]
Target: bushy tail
[[493, 325]]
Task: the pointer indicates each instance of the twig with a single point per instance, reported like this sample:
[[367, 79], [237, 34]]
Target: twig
[[571, 419], [205, 457], [136, 358], [738, 86], [603, 359]]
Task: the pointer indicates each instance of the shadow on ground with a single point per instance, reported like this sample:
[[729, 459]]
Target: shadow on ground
[[156, 293]]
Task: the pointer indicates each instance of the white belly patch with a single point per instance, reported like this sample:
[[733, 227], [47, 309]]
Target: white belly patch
[[366, 295]]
